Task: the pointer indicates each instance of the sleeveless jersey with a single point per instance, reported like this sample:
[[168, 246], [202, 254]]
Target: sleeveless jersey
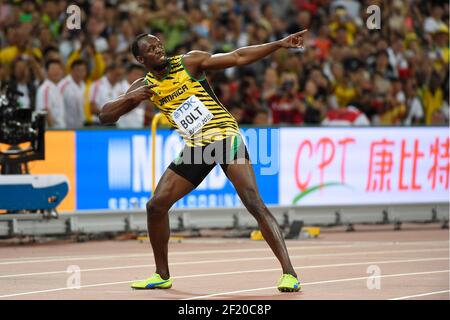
[[191, 106]]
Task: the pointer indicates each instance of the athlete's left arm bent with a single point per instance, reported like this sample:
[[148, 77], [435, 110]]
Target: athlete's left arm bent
[[200, 61], [113, 110]]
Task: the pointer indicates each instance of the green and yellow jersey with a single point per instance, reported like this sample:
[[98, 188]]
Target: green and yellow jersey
[[191, 106]]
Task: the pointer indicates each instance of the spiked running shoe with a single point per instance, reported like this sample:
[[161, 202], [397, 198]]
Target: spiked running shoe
[[154, 282], [288, 283]]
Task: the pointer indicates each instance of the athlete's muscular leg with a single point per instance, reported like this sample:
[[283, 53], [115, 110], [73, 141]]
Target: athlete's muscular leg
[[170, 189], [243, 179]]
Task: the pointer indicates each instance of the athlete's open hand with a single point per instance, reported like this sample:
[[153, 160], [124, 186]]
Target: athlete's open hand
[[142, 93], [295, 40]]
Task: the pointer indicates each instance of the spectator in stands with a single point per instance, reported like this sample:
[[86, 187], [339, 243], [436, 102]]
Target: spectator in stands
[[345, 116], [382, 65], [287, 105], [22, 45], [434, 21], [433, 98], [135, 118], [94, 59], [51, 53], [261, 118], [249, 97], [107, 88], [345, 91], [440, 52], [238, 113], [270, 84], [314, 108], [49, 97], [414, 107], [72, 89], [51, 16], [46, 40], [341, 55], [26, 82]]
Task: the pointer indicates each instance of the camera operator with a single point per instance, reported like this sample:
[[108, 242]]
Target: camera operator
[[49, 97]]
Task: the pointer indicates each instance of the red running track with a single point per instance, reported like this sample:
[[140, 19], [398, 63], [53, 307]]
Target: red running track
[[371, 263]]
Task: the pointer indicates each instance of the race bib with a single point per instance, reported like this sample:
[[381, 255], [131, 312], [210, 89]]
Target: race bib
[[191, 115]]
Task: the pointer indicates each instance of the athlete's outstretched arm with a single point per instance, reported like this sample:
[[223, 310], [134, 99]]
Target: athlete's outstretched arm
[[199, 61], [113, 110]]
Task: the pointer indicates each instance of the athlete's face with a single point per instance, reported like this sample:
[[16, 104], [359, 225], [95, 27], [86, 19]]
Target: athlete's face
[[153, 55]]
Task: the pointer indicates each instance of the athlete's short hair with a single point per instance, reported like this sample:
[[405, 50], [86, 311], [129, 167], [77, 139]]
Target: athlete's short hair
[[135, 45]]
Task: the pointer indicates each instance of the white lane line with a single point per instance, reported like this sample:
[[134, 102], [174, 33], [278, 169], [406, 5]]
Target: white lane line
[[420, 295], [324, 255], [310, 244], [174, 253], [230, 273], [318, 282]]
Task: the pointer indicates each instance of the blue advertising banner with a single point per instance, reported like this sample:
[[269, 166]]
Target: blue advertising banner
[[113, 169]]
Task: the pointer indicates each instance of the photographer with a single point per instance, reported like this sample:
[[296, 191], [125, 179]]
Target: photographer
[[286, 105], [94, 59]]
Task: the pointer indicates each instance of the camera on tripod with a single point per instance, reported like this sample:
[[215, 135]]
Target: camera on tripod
[[19, 125], [21, 192]]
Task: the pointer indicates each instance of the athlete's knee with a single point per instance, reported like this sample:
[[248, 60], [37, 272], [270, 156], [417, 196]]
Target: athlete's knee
[[253, 202], [156, 207]]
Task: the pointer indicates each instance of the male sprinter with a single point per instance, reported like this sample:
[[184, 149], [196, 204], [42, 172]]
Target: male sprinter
[[178, 87]]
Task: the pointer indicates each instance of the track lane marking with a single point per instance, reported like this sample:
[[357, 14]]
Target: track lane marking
[[236, 272], [345, 254], [318, 282], [420, 295], [176, 253]]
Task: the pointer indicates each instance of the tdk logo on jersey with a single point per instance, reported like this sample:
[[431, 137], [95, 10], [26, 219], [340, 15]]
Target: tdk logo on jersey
[[191, 115], [172, 96]]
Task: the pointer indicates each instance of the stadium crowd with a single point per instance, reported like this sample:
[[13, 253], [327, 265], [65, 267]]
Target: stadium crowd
[[347, 74]]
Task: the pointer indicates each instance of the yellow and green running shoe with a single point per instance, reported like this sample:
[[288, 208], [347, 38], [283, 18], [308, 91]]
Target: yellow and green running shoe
[[154, 282], [288, 283]]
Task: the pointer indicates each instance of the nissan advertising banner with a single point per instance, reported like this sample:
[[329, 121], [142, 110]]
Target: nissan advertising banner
[[121, 161]]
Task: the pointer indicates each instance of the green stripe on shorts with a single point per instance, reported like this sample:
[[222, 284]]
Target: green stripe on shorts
[[235, 144]]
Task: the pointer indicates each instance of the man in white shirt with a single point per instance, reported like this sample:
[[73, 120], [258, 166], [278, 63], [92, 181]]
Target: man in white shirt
[[414, 105], [134, 118], [72, 89], [107, 88], [346, 116], [432, 23], [49, 97]]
